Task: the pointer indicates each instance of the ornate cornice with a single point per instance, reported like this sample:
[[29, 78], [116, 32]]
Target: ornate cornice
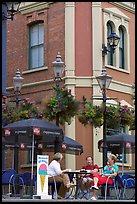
[[124, 6]]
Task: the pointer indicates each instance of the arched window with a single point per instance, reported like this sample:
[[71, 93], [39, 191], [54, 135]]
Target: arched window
[[110, 55], [36, 45], [121, 48]]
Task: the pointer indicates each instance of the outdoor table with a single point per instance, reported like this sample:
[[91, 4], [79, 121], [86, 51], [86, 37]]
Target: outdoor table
[[77, 173]]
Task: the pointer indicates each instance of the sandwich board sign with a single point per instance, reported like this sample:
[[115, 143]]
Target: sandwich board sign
[[42, 176]]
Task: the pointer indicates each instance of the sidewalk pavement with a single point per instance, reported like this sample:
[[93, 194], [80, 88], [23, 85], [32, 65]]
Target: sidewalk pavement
[[53, 200], [18, 199]]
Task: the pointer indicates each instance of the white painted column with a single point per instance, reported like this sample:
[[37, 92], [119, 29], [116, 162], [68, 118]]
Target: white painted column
[[97, 67], [70, 70]]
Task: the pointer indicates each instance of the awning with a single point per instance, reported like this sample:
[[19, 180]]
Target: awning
[[124, 103], [111, 101], [117, 141], [69, 146]]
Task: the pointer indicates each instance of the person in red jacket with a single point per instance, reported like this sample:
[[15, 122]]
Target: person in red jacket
[[86, 179]]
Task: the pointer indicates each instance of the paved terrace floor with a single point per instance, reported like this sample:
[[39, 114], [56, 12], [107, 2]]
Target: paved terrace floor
[[73, 201]]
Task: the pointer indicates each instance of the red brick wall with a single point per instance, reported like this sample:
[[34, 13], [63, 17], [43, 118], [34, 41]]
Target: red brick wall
[[17, 45], [17, 53]]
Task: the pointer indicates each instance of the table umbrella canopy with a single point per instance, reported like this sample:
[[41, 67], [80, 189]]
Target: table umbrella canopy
[[69, 146], [23, 130], [119, 141]]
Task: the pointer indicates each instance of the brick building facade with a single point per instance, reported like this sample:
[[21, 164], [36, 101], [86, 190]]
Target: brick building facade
[[77, 30]]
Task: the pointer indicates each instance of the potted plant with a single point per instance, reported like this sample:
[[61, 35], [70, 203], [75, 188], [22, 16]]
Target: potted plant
[[26, 109], [116, 116], [62, 103], [126, 115], [90, 114]]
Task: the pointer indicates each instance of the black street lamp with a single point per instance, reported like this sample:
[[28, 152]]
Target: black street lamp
[[113, 40], [8, 11], [104, 82], [17, 82], [58, 66], [11, 8]]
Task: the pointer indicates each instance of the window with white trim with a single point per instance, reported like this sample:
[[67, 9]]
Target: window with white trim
[[110, 54], [36, 45], [120, 25], [121, 48]]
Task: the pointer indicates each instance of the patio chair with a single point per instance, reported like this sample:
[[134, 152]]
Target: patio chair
[[55, 185], [7, 180], [27, 182], [116, 187], [53, 188], [129, 187]]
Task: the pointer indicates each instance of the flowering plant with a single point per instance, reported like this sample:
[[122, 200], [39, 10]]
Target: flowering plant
[[63, 104], [90, 114], [116, 116], [26, 109], [112, 117], [126, 115]]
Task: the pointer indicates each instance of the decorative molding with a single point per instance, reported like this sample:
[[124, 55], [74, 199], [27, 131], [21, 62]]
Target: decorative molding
[[83, 82], [118, 69], [116, 12], [69, 4], [34, 6], [70, 70], [33, 84], [122, 5], [69, 38], [34, 70]]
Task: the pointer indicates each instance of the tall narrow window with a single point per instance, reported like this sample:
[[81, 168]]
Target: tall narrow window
[[110, 55], [36, 46], [121, 48]]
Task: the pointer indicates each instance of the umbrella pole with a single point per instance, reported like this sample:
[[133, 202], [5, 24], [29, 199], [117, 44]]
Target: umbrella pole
[[123, 160], [32, 157]]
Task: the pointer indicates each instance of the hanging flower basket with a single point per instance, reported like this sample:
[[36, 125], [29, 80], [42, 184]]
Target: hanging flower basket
[[90, 114], [126, 115], [112, 117], [116, 116], [63, 104], [26, 109]]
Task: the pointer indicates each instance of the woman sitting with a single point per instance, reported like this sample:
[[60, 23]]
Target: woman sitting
[[110, 171], [55, 172]]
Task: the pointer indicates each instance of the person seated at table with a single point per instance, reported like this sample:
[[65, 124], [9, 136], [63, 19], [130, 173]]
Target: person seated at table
[[86, 179], [55, 172], [110, 170]]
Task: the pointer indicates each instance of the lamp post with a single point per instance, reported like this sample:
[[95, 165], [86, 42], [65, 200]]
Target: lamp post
[[104, 82], [8, 10], [58, 66], [17, 82]]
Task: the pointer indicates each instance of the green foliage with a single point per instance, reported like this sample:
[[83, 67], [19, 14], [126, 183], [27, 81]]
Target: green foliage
[[62, 104], [26, 109], [116, 116], [127, 116], [90, 114]]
